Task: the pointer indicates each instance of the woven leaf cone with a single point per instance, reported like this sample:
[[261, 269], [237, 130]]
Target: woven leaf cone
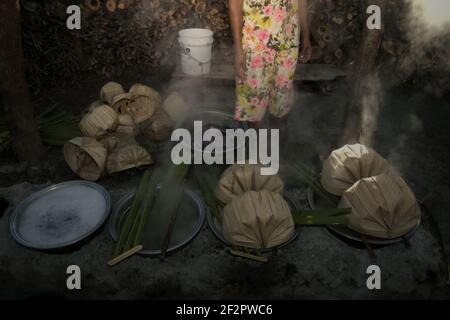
[[125, 120], [258, 220], [86, 157], [116, 140], [348, 164], [143, 90], [139, 107], [382, 206], [130, 131], [110, 142], [126, 156], [127, 127], [240, 178], [159, 126], [120, 104], [99, 121], [109, 91], [94, 105]]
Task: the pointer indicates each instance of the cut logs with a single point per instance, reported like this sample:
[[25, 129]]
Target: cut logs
[[119, 35], [92, 5]]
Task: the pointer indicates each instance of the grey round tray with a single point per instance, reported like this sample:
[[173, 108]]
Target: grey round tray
[[213, 118], [61, 215], [350, 234], [189, 222], [215, 226]]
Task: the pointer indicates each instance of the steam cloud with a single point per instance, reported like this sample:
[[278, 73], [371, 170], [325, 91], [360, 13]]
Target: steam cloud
[[426, 27]]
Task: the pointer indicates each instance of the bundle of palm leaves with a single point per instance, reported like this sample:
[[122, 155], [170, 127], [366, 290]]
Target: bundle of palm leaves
[[333, 215], [56, 126], [160, 191]]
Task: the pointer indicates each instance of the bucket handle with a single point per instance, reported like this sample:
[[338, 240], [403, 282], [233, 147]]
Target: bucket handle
[[187, 51]]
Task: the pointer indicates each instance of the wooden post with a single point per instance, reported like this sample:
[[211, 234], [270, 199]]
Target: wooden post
[[25, 139], [359, 77]]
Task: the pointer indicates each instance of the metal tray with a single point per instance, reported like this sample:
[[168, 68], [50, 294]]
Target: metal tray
[[213, 118], [350, 234], [216, 227], [61, 215], [188, 224]]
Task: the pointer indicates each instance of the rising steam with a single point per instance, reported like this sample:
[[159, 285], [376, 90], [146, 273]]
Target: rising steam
[[434, 13], [426, 25]]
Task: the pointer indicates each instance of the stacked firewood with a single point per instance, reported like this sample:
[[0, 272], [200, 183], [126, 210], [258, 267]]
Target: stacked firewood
[[167, 17], [52, 52], [144, 32], [119, 35], [116, 35], [336, 27]]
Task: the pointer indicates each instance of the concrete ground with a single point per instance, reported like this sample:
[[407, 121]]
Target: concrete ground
[[412, 132]]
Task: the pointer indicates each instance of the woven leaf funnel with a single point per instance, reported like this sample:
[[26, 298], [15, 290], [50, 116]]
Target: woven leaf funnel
[[99, 121], [176, 107], [382, 206], [240, 178], [127, 128], [159, 126], [348, 164], [126, 156], [109, 91], [86, 157], [139, 107], [94, 105], [143, 90], [128, 131], [125, 120], [258, 220]]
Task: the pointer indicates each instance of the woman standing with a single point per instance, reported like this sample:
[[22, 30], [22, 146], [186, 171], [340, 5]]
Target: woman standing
[[266, 36]]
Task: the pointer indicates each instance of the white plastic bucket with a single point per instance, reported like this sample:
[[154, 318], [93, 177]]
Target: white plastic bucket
[[196, 50]]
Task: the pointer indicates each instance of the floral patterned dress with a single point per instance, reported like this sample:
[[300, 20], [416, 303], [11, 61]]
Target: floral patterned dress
[[270, 39]]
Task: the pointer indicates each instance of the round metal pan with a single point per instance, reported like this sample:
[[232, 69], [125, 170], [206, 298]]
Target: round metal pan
[[60, 216], [344, 231], [213, 118], [216, 227], [189, 222]]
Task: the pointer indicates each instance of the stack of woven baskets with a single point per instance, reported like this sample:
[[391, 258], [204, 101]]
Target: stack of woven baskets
[[382, 204], [110, 126]]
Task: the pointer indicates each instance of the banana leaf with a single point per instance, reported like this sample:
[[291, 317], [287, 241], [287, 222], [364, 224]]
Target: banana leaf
[[155, 193], [56, 126], [169, 190], [57, 135], [322, 216], [131, 216]]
